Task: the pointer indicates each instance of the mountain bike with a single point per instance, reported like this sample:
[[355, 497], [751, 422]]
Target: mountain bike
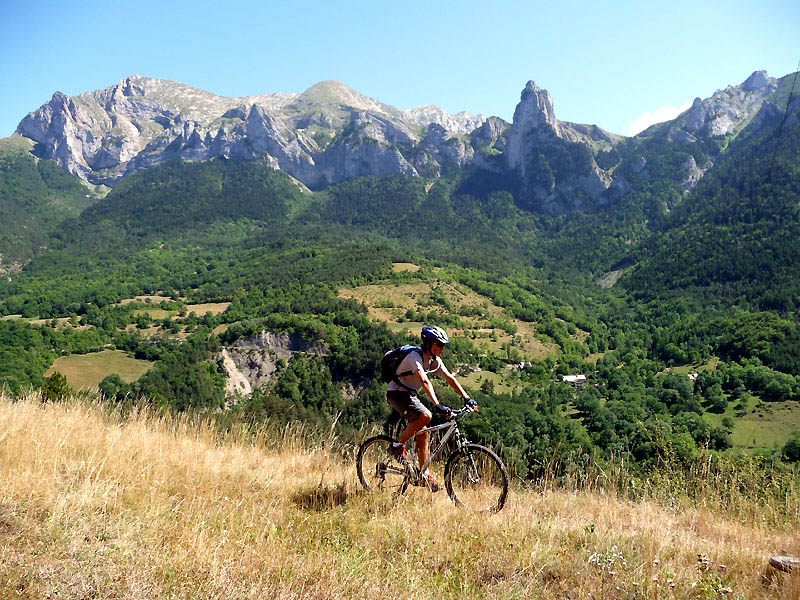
[[474, 476]]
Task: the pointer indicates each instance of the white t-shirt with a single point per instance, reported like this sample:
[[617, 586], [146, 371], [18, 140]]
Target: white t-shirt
[[412, 363]]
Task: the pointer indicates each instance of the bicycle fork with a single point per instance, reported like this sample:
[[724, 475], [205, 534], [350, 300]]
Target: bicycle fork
[[473, 473]]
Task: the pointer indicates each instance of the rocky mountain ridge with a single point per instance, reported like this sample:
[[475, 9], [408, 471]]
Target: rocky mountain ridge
[[325, 134], [331, 133], [724, 113]]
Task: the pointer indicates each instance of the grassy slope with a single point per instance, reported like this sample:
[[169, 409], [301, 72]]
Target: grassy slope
[[389, 301], [147, 507], [88, 370], [763, 425]]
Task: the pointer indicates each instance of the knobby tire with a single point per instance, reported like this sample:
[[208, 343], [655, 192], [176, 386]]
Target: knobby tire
[[476, 479], [378, 471]]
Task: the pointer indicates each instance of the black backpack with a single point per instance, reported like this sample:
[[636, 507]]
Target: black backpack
[[392, 359]]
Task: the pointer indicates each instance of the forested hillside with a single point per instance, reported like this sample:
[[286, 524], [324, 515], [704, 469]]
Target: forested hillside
[[35, 196], [733, 240]]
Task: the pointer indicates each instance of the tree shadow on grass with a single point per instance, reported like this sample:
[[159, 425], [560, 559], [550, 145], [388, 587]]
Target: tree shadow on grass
[[323, 497]]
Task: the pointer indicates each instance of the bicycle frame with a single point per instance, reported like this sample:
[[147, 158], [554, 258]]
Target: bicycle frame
[[452, 429]]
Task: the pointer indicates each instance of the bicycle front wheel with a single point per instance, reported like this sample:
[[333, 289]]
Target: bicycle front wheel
[[476, 479], [377, 470]]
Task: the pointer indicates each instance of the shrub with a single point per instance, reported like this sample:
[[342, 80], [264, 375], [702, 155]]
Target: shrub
[[791, 451], [56, 388]]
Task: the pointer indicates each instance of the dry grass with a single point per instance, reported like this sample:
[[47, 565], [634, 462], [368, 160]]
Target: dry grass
[[86, 371], [155, 313], [147, 506], [404, 267], [476, 378], [215, 308]]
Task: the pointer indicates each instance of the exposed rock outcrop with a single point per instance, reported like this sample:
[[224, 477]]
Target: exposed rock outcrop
[[693, 172], [729, 109], [493, 133], [534, 121], [250, 363], [330, 133], [725, 114], [460, 123], [537, 149]]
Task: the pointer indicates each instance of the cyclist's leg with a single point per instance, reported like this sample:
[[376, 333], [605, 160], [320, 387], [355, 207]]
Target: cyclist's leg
[[413, 427], [422, 445], [414, 412]]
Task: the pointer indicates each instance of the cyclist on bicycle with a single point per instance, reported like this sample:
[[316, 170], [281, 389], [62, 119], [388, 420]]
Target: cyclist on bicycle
[[412, 374]]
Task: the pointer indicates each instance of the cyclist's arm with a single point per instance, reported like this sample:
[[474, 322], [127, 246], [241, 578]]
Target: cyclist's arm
[[423, 380], [453, 382]]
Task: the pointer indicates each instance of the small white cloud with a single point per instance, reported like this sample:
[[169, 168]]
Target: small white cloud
[[664, 113]]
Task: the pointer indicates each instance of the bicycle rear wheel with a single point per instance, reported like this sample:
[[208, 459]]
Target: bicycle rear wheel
[[377, 470], [476, 479]]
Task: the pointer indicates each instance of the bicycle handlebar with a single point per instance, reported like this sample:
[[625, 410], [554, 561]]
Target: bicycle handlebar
[[457, 414]]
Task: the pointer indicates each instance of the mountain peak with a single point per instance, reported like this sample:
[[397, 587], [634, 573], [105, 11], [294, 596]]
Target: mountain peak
[[329, 86], [333, 91], [756, 81], [728, 109], [535, 109], [531, 87]]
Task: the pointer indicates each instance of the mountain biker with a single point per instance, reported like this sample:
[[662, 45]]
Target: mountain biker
[[412, 374]]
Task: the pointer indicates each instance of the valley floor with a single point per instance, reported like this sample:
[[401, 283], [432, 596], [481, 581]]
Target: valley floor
[[147, 506]]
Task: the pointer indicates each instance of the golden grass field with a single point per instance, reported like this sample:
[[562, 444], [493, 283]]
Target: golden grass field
[[215, 308], [155, 313], [86, 371], [476, 378], [404, 267], [147, 506]]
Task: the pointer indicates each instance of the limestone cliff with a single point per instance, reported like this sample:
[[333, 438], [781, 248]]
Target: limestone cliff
[[553, 160], [326, 134]]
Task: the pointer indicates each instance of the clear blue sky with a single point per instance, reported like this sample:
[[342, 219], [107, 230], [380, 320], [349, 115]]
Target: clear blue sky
[[603, 63]]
